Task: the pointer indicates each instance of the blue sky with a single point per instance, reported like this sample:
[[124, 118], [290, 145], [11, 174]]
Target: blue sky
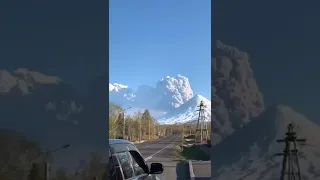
[[149, 40]]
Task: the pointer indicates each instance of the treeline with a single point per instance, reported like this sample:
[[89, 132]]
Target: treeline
[[20, 158], [93, 169], [141, 126]]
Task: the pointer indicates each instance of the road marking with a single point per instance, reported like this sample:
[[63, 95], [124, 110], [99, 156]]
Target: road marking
[[150, 157], [192, 176], [154, 143]]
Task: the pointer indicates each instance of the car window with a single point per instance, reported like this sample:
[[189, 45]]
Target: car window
[[126, 163], [132, 165], [115, 171], [137, 169], [147, 177], [110, 166]]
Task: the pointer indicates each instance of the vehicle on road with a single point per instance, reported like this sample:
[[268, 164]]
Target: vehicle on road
[[126, 163]]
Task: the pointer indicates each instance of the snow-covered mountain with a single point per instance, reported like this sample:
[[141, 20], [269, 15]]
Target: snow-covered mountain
[[254, 157], [172, 98], [188, 111], [117, 87], [121, 94]]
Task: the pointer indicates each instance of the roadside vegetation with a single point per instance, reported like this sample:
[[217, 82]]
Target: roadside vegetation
[[141, 122], [19, 154]]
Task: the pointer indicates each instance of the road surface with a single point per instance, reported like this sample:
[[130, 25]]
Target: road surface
[[166, 151], [201, 170]]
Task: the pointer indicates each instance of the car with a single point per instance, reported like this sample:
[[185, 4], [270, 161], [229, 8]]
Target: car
[[127, 163]]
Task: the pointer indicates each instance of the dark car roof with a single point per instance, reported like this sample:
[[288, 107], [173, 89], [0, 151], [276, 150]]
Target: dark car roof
[[119, 141]]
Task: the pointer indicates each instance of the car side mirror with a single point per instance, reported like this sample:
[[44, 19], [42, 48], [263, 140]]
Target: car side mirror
[[156, 168]]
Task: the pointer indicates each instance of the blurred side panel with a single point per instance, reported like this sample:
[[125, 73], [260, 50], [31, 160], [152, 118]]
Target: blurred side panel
[[53, 89]]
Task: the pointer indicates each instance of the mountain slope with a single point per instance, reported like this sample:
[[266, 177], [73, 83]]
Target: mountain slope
[[188, 111], [249, 152]]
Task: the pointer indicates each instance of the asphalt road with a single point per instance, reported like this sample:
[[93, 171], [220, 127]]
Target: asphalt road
[[201, 170], [166, 151]]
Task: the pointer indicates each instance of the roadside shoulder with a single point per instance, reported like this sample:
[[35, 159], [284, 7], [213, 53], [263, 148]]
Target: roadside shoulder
[[192, 176]]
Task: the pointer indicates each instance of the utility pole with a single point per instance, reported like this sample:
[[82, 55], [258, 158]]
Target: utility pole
[[129, 133], [183, 129], [290, 162], [154, 128], [140, 130], [207, 133], [201, 128], [124, 126], [149, 129], [41, 170]]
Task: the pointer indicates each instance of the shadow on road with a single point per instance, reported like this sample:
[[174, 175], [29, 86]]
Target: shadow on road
[[182, 170], [203, 178], [194, 153]]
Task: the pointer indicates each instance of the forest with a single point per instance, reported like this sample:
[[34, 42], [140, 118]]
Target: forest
[[141, 126]]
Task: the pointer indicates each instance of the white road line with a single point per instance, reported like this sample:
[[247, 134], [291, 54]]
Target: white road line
[[154, 143], [150, 157], [192, 176]]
